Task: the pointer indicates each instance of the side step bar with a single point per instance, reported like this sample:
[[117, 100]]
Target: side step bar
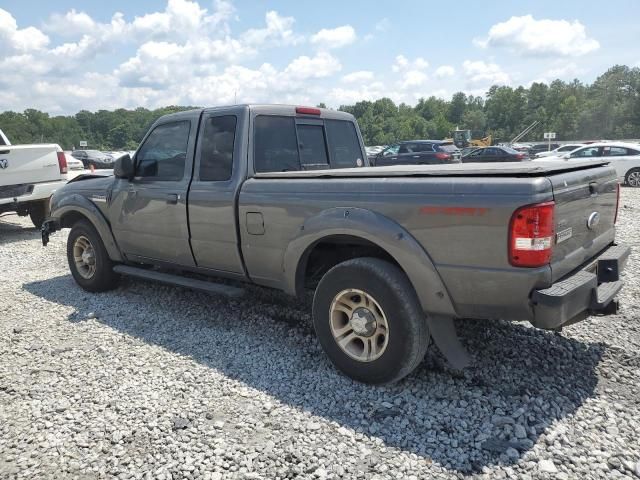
[[192, 283]]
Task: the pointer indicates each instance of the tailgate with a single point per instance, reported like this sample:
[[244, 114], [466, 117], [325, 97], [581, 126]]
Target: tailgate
[[584, 215], [28, 164]]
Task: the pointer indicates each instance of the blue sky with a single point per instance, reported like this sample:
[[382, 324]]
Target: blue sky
[[67, 55]]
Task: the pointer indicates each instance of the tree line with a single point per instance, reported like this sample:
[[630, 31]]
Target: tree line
[[607, 108]]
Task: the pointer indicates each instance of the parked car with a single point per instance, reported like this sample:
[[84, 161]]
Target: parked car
[[542, 147], [417, 152], [495, 154], [29, 174], [394, 254], [559, 151], [94, 158], [73, 164], [624, 157], [372, 151]]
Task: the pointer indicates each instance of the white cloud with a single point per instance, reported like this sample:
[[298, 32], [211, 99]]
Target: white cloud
[[412, 79], [481, 74], [14, 39], [528, 36], [358, 77], [403, 63], [334, 37], [322, 65], [278, 32], [445, 71]]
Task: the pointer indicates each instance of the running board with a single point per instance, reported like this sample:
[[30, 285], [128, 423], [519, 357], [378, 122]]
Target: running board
[[192, 283]]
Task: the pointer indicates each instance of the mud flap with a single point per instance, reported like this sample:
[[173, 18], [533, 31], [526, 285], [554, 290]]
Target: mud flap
[[443, 332]]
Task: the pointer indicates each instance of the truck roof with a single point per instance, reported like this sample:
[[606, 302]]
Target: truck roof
[[265, 109], [524, 169]]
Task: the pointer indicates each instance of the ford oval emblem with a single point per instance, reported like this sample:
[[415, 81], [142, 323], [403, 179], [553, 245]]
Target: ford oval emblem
[[593, 220], [4, 163]]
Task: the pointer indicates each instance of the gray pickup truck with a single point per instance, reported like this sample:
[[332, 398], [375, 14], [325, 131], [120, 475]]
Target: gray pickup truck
[[283, 197]]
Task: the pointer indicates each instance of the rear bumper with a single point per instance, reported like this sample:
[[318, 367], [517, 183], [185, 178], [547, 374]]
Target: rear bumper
[[591, 290]]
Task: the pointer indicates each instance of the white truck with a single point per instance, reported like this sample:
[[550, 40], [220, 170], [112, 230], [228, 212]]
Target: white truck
[[29, 174]]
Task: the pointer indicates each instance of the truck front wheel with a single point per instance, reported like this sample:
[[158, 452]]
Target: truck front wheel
[[369, 321], [88, 260]]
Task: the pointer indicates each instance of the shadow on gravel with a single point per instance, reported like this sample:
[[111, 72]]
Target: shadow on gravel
[[523, 380], [12, 231]]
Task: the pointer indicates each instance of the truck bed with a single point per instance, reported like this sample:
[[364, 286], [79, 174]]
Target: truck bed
[[510, 169]]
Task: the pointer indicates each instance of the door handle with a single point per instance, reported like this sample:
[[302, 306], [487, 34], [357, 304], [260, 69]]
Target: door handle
[[416, 156], [172, 198]]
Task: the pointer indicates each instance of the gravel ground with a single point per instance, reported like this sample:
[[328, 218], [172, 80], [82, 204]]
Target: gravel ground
[[159, 382]]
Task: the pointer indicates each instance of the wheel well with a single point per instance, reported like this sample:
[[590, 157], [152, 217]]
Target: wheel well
[[70, 218], [325, 254]]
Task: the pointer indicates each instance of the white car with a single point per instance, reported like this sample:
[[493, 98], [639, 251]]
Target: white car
[[561, 150], [624, 157]]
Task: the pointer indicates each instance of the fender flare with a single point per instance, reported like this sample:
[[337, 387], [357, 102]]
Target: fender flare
[[381, 231], [78, 204]]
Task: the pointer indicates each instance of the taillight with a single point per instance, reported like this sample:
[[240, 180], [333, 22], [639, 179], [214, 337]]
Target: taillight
[[62, 162], [531, 233], [615, 218], [520, 156], [307, 111], [443, 156]]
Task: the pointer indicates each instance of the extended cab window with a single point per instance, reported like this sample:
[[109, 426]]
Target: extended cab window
[[164, 152], [216, 148], [276, 148], [344, 145]]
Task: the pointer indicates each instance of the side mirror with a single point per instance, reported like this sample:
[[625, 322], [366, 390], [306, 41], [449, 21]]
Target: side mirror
[[124, 167], [566, 156]]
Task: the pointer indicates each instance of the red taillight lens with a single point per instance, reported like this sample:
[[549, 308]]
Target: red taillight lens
[[443, 156], [62, 162], [615, 218], [520, 156], [531, 233], [307, 111]]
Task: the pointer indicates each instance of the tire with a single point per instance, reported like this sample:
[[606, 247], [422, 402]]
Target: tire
[[393, 352], [37, 213], [101, 277], [632, 178]]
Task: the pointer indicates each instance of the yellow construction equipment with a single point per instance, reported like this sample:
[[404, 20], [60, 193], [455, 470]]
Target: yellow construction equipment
[[464, 138]]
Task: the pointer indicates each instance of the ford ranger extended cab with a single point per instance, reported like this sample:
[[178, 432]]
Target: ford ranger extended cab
[[29, 174], [275, 195]]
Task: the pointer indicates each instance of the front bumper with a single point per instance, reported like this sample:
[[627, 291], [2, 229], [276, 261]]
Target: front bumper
[[589, 291]]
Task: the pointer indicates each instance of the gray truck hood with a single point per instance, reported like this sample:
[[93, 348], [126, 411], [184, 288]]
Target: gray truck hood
[[525, 169]]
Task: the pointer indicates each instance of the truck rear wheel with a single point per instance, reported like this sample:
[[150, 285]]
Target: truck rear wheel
[[369, 321], [88, 260], [37, 212]]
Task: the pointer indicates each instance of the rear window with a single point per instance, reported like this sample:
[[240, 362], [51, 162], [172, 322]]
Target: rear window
[[281, 145], [447, 147], [344, 145], [510, 150], [312, 146]]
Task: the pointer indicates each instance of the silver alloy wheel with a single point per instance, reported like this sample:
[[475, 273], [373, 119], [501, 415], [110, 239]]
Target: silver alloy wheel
[[633, 179], [84, 257], [359, 325]]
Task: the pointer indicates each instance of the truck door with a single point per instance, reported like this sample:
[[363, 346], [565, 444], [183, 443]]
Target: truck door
[[212, 196], [150, 211]]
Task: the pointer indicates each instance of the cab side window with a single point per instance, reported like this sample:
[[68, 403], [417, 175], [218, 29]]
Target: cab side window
[[164, 152], [216, 148]]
